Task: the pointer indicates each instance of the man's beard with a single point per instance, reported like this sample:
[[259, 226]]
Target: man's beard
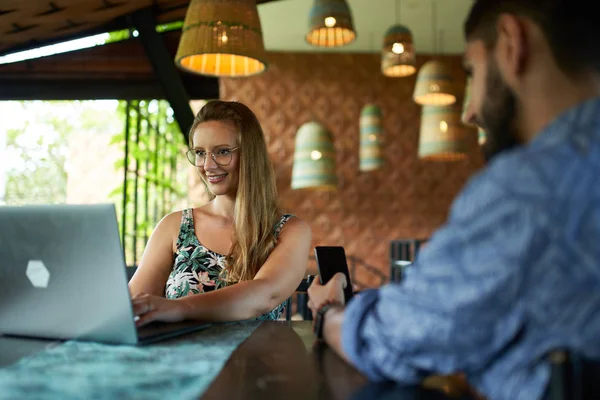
[[498, 114]]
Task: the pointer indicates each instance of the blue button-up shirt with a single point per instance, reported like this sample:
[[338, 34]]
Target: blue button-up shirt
[[512, 275]]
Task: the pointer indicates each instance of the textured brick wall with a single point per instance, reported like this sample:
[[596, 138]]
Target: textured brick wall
[[406, 198]]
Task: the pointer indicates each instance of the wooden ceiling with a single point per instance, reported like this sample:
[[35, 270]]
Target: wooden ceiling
[[26, 24]]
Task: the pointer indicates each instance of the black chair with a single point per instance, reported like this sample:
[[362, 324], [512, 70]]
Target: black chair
[[301, 300], [573, 377], [130, 272], [402, 254]]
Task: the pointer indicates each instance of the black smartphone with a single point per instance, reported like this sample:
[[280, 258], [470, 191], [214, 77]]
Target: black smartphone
[[331, 260]]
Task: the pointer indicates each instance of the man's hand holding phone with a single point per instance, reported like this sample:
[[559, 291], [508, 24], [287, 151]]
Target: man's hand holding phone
[[330, 293], [333, 288]]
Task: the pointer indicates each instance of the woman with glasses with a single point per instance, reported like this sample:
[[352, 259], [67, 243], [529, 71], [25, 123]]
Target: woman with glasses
[[238, 256]]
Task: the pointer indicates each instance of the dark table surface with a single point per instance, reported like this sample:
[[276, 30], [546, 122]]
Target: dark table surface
[[282, 360]]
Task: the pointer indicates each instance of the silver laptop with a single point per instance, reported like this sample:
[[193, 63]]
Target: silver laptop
[[63, 276]]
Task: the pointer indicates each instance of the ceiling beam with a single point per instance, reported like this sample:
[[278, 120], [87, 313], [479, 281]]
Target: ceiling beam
[[114, 25], [44, 88], [164, 68], [116, 71], [119, 23]]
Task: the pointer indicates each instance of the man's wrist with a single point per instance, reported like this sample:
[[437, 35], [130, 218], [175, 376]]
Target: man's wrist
[[320, 318]]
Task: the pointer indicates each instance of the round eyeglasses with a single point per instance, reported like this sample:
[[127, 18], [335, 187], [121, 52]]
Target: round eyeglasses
[[221, 156]]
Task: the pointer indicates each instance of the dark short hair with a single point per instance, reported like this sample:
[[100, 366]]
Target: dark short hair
[[572, 28]]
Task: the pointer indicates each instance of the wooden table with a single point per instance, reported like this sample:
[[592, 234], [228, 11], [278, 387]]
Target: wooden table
[[280, 360]]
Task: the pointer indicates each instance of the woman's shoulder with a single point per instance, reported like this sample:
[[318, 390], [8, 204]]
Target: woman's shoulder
[[290, 219], [174, 217], [292, 225], [184, 215], [174, 220]]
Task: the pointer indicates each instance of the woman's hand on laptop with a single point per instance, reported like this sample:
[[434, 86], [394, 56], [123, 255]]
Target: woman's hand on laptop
[[148, 308]]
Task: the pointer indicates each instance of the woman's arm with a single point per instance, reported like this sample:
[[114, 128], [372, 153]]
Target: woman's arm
[[276, 280], [157, 261]]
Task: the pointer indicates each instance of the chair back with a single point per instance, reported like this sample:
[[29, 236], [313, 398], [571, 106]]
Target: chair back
[[130, 272], [301, 300], [573, 377]]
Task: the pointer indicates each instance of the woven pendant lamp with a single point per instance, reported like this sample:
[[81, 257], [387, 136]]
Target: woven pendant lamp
[[398, 57], [481, 136], [330, 24], [222, 38], [314, 158], [371, 132], [443, 137], [435, 85]]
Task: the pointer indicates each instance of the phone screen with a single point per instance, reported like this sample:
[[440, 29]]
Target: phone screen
[[331, 260]]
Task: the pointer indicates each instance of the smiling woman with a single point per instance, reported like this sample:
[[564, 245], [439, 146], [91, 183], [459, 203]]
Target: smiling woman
[[236, 257]]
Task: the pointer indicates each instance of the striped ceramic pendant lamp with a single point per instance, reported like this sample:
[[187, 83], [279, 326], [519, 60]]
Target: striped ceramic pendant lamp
[[330, 24], [222, 38], [314, 158], [371, 132], [443, 136], [481, 136]]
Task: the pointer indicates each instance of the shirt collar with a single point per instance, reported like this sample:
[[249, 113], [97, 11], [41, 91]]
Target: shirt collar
[[577, 124]]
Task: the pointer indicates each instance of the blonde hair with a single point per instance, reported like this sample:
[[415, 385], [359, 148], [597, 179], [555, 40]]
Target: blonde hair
[[257, 207]]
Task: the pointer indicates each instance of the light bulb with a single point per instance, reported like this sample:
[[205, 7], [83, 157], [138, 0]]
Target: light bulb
[[316, 155], [444, 126], [330, 22], [398, 48]]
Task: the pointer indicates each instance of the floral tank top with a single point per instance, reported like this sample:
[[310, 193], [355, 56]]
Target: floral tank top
[[197, 269]]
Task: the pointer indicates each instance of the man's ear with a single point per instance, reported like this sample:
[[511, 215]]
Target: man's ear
[[511, 47]]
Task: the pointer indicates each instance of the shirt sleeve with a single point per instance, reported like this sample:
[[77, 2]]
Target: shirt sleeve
[[459, 303]]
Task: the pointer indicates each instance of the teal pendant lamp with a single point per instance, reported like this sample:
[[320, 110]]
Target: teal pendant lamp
[[314, 158], [442, 136], [330, 24], [371, 137], [398, 57], [435, 85]]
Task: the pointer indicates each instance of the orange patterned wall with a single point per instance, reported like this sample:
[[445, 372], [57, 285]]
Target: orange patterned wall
[[407, 198]]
